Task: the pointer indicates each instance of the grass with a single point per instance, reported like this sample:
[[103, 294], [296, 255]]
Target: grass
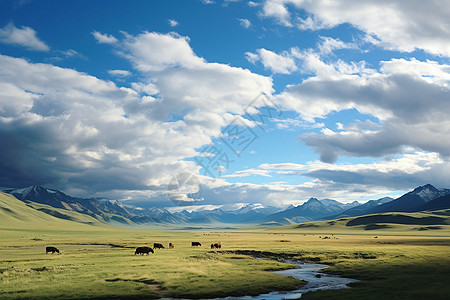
[[399, 261], [88, 267]]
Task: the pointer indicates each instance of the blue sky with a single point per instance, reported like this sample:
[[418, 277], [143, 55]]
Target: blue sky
[[271, 101]]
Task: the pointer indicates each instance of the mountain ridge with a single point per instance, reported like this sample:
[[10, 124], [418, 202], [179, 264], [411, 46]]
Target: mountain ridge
[[113, 211]]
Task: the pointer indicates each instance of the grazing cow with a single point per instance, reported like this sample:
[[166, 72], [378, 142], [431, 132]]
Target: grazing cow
[[143, 250], [216, 246], [158, 246], [51, 249], [195, 244], [171, 245]]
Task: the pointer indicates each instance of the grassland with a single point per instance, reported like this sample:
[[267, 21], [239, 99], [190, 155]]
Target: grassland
[[97, 262]]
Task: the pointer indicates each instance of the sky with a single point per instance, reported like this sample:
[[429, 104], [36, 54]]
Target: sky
[[202, 104]]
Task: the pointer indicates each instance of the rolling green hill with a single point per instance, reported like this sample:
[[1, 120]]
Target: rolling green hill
[[18, 214], [419, 223]]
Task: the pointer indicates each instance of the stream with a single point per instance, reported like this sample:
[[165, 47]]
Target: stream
[[308, 272]]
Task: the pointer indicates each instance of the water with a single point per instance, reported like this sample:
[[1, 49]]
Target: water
[[307, 272]]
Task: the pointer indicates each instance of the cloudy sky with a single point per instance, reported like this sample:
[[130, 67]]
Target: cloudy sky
[[205, 103]]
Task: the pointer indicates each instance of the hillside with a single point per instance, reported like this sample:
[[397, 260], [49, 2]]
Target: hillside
[[18, 214], [433, 223]]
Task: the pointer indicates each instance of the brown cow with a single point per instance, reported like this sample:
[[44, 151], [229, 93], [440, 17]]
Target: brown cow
[[216, 246], [51, 249], [171, 245], [143, 250], [158, 246]]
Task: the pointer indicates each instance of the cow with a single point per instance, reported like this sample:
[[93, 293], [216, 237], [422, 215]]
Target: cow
[[171, 245], [158, 246], [143, 250], [195, 244], [216, 246], [51, 249]]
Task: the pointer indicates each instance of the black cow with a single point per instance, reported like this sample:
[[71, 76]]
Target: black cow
[[195, 244], [51, 249], [143, 250], [216, 246], [158, 246], [171, 245]]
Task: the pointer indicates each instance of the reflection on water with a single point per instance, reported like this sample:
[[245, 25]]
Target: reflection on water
[[307, 272]]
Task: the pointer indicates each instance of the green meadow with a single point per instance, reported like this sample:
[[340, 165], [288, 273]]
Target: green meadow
[[97, 261]]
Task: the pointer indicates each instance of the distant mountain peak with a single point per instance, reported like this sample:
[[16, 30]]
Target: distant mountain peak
[[428, 192], [312, 200], [290, 206]]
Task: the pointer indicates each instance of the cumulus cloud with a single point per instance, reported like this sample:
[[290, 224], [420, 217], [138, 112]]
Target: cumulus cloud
[[91, 135], [24, 36], [190, 86], [282, 63], [348, 181], [408, 97], [397, 25], [104, 38]]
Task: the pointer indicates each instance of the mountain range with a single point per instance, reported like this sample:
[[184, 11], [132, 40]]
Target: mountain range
[[422, 198]]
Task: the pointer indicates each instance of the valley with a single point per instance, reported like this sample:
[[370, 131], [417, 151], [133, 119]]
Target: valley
[[392, 260]]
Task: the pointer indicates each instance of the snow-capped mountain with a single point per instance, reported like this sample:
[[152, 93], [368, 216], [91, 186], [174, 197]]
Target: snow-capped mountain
[[311, 210], [429, 192], [421, 198], [412, 201]]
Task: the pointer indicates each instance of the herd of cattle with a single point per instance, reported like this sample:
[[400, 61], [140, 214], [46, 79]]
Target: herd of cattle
[[144, 249]]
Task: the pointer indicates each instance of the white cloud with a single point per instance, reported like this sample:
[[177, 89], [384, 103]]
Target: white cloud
[[85, 130], [282, 63], [312, 23], [25, 37], [119, 73], [249, 172], [408, 163], [208, 2], [245, 23], [104, 38], [327, 45], [173, 23], [153, 51], [398, 25], [295, 124], [408, 97]]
